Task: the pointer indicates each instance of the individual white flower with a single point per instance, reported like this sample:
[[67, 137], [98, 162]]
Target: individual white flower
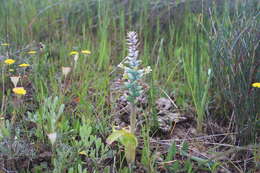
[[121, 65], [15, 80], [65, 71], [147, 70], [76, 57], [52, 137]]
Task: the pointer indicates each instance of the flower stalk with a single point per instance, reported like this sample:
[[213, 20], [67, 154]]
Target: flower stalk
[[133, 75]]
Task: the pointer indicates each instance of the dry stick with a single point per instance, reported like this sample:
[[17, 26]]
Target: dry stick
[[198, 138], [229, 126], [169, 98], [117, 66], [249, 147]]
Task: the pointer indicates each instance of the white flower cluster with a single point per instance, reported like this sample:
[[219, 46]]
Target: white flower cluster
[[132, 72]]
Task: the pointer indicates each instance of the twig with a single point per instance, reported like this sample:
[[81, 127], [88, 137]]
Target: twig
[[169, 98], [198, 138], [117, 66]]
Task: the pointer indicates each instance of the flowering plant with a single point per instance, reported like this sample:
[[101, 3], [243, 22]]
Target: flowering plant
[[132, 76]]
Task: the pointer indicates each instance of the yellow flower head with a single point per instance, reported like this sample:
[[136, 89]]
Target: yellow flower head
[[257, 85], [4, 44], [82, 153], [87, 52], [32, 52], [24, 65], [19, 90], [74, 53], [9, 61]]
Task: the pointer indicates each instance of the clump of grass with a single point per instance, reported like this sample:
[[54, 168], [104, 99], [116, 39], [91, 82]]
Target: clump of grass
[[235, 63], [194, 53]]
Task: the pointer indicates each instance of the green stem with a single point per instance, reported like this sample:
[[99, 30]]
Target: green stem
[[3, 90], [132, 117], [130, 167]]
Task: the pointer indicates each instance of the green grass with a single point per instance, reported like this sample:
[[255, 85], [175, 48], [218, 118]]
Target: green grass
[[177, 47]]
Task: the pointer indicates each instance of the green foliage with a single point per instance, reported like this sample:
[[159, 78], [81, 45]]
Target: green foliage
[[172, 40], [195, 57], [148, 159], [48, 117], [128, 140], [235, 63], [91, 146], [171, 152], [189, 159], [5, 129]]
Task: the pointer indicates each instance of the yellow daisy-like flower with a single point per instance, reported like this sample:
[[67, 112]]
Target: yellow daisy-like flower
[[74, 53], [32, 52], [9, 61], [87, 52], [82, 153], [4, 44], [24, 65], [19, 90], [257, 85]]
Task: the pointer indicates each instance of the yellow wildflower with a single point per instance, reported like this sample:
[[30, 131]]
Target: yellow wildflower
[[257, 85], [11, 70], [24, 65], [32, 52], [87, 52], [82, 153], [9, 61], [19, 90], [125, 76], [4, 44], [74, 53]]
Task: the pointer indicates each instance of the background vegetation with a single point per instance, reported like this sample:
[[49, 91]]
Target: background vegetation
[[204, 57]]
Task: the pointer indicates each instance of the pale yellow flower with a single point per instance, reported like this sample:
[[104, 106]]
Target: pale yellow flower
[[19, 90], [9, 61], [24, 65], [74, 53], [32, 52], [5, 44], [257, 85], [87, 52], [11, 70]]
